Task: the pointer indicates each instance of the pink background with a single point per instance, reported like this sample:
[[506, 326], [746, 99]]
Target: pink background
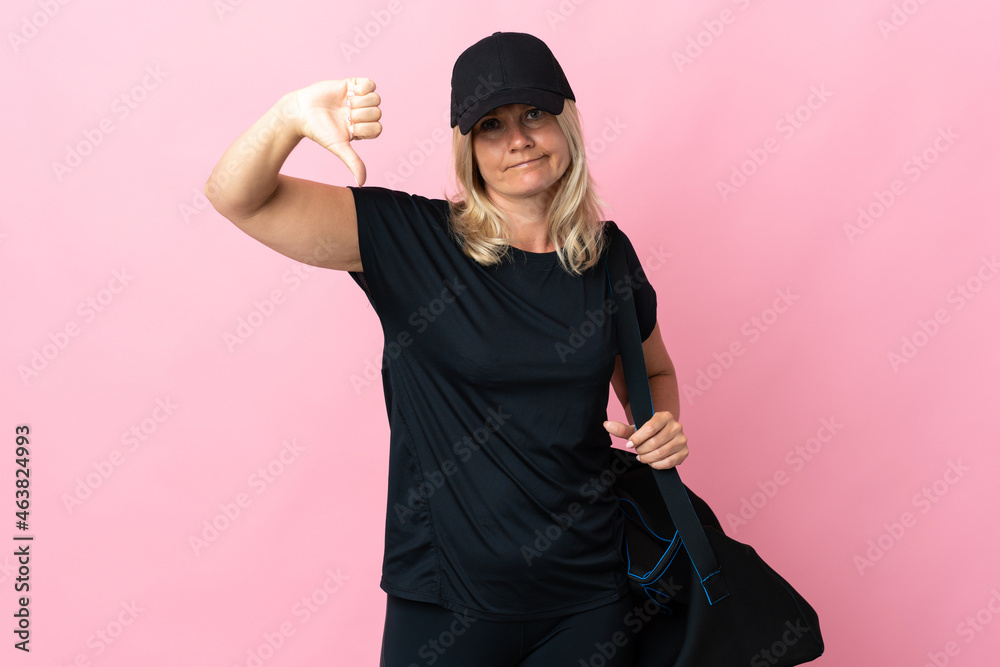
[[888, 527]]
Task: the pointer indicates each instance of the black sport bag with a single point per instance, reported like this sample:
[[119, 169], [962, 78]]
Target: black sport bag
[[706, 599]]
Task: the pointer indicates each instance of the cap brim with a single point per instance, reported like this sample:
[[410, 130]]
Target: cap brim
[[545, 100]]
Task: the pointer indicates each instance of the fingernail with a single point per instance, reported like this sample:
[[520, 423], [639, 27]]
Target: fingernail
[[630, 445]]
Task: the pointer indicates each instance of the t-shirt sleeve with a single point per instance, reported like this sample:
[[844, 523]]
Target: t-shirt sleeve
[[402, 239], [642, 289]]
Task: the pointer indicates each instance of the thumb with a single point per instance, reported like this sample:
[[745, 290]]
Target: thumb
[[620, 429], [349, 157]]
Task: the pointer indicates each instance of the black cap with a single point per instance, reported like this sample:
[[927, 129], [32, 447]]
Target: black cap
[[506, 68]]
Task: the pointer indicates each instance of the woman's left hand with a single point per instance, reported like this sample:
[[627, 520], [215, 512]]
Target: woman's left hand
[[660, 442]]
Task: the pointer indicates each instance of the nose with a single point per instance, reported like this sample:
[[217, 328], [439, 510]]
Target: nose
[[518, 138]]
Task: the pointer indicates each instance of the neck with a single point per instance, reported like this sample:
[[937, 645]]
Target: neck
[[529, 227]]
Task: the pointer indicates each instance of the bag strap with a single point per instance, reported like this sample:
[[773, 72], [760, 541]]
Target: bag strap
[[641, 404]]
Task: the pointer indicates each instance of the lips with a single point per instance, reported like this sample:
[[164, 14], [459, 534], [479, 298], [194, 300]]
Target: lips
[[526, 162]]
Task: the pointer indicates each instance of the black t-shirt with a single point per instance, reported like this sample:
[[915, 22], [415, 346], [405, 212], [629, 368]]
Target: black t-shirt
[[496, 384]]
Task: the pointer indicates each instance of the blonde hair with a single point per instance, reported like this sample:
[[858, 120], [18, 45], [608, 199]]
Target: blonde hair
[[574, 217]]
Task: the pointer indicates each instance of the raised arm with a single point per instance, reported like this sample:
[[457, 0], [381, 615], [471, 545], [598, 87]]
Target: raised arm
[[314, 223]]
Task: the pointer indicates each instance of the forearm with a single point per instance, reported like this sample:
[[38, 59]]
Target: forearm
[[247, 174], [665, 394]]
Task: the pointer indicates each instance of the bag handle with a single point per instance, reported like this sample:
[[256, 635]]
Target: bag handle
[[675, 496]]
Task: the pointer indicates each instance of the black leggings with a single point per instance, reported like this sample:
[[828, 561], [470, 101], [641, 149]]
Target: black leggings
[[421, 634]]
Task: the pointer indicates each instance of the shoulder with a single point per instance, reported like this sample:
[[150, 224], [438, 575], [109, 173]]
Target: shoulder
[[612, 232]]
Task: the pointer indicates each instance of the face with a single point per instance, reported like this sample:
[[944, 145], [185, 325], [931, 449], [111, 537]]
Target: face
[[521, 152]]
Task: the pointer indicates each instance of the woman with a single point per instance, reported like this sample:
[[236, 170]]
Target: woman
[[502, 545]]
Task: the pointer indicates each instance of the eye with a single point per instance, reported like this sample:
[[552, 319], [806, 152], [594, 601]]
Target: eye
[[489, 124], [534, 114]]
